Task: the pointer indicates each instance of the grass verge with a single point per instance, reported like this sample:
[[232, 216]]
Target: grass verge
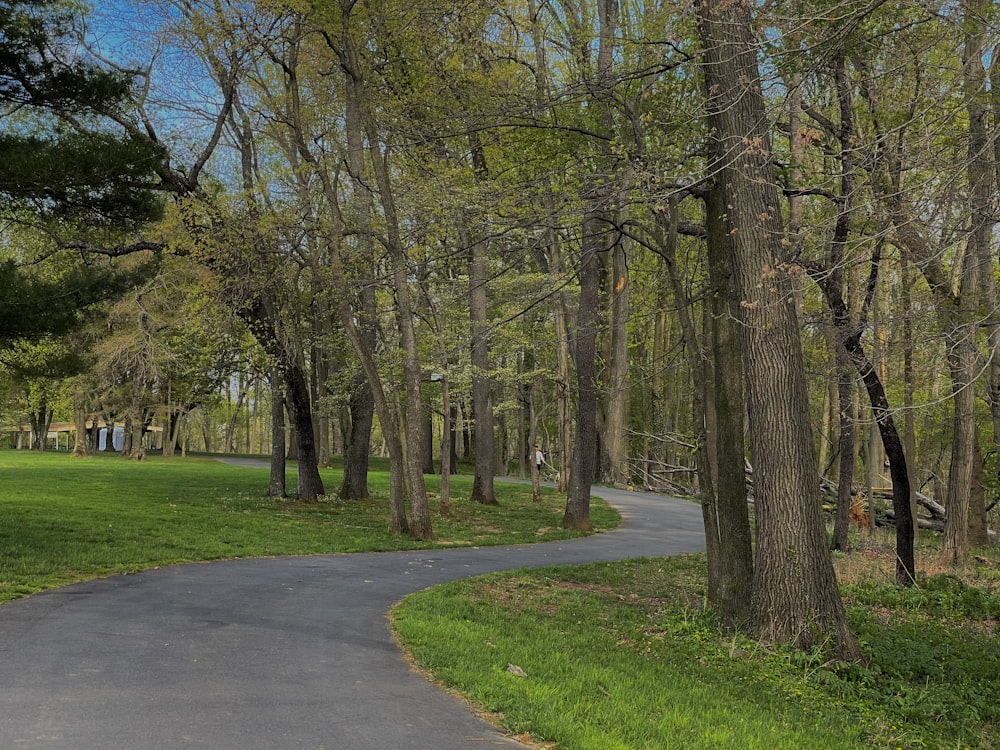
[[65, 519], [625, 655]]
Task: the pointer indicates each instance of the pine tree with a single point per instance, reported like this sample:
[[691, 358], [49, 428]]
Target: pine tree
[[63, 170]]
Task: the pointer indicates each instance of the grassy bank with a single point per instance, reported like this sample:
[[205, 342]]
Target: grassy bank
[[626, 656], [64, 519]]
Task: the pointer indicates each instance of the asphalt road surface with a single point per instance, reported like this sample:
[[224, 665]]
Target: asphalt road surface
[[290, 653]]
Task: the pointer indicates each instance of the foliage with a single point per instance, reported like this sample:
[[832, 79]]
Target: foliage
[[55, 297], [57, 157]]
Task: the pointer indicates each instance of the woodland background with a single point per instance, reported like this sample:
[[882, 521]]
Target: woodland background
[[449, 231]]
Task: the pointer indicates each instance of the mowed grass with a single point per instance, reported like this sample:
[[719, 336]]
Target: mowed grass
[[66, 519], [626, 656]]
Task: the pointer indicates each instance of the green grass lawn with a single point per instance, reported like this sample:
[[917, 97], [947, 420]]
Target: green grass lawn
[[595, 657], [625, 655], [65, 519]]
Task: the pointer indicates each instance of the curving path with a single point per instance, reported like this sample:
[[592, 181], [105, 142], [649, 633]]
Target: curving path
[[289, 653]]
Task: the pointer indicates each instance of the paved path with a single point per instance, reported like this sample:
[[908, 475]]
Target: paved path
[[290, 653]]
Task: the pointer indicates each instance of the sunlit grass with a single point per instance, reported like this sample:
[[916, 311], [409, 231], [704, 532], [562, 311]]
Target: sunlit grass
[[625, 655], [65, 519]]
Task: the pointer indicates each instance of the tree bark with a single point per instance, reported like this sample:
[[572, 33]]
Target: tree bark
[[354, 485], [577, 514], [728, 544], [40, 418], [261, 320], [482, 401], [616, 398], [795, 599], [735, 569], [409, 475], [276, 486]]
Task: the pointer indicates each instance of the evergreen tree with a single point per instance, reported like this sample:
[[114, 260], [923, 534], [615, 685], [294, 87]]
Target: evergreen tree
[[64, 173]]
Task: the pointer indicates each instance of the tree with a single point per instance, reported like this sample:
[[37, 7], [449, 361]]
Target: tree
[[937, 222], [795, 595], [65, 178]]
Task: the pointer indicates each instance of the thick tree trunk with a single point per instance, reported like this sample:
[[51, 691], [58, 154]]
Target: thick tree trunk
[[82, 446], [362, 407], [717, 412], [735, 569], [795, 599], [310, 484], [137, 443], [260, 318]]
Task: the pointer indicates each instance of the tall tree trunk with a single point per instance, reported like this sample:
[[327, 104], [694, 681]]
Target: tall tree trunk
[[564, 404], [577, 514], [557, 268], [276, 486], [482, 402], [260, 318], [261, 315], [847, 443], [310, 484], [358, 448], [616, 399], [830, 280], [957, 313], [981, 175], [594, 242], [962, 358], [795, 598], [717, 413], [990, 297], [909, 425], [420, 526], [732, 516]]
